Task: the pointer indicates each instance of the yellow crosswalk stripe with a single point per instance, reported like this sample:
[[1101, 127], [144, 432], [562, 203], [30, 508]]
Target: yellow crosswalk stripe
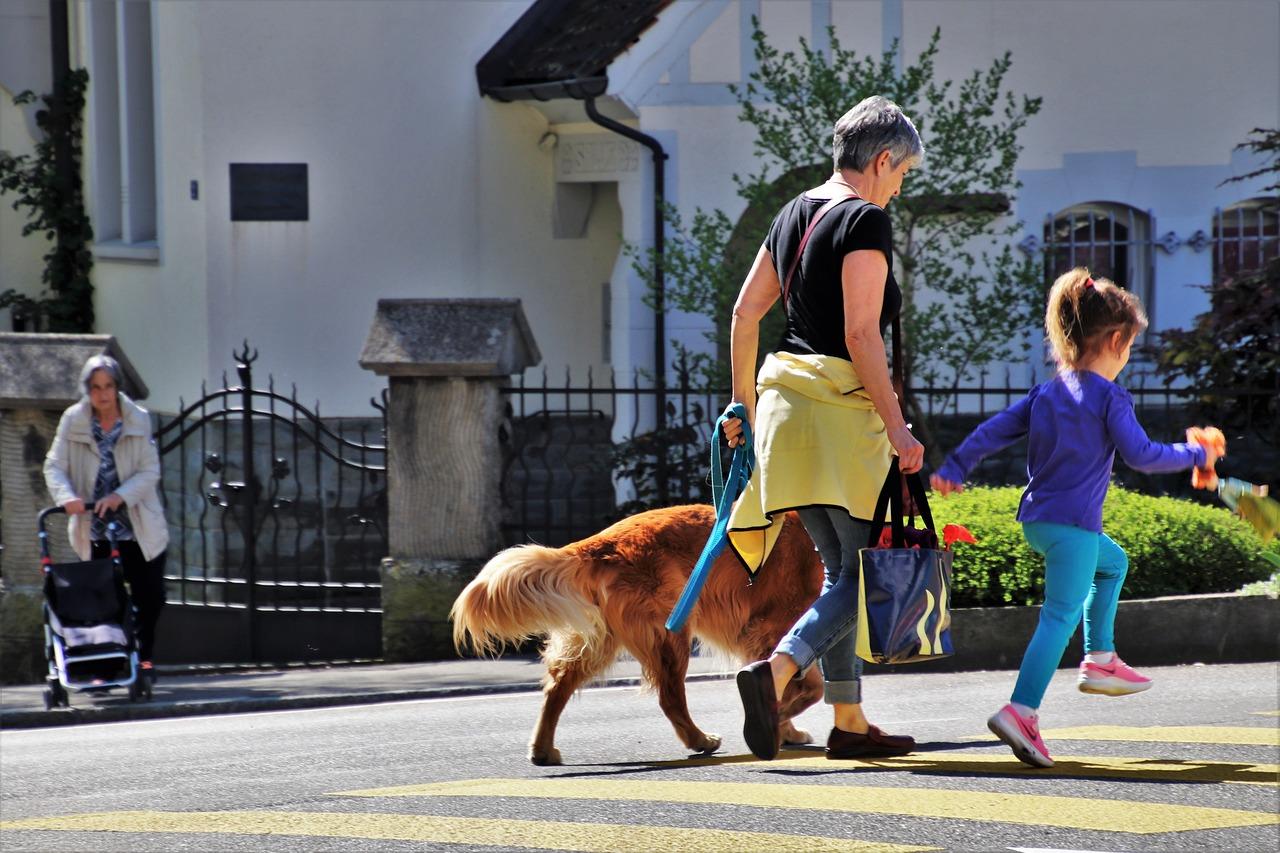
[[1004, 764], [529, 834], [1229, 735], [1028, 809]]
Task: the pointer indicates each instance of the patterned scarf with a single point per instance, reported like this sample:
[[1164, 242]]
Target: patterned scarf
[[107, 482]]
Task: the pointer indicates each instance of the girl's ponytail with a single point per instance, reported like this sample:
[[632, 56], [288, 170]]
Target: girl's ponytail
[[1083, 312]]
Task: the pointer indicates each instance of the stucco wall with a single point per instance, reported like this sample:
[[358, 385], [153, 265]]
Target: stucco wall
[[24, 64], [417, 187], [1130, 115], [421, 187], [159, 310]]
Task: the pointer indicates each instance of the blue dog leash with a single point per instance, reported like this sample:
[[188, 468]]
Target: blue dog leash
[[723, 494]]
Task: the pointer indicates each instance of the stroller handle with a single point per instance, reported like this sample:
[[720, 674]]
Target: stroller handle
[[56, 510]]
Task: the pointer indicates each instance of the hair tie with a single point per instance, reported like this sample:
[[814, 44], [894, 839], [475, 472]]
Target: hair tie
[[1088, 284]]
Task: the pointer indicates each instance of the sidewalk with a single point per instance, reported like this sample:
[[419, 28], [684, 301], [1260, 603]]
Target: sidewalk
[[179, 692], [1218, 628]]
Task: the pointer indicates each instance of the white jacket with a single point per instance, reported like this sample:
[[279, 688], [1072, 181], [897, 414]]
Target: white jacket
[[71, 468]]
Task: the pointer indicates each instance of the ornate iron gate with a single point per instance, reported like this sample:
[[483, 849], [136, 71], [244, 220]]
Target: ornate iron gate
[[278, 526]]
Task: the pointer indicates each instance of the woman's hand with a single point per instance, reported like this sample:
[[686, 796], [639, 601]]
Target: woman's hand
[[110, 503], [944, 487], [910, 452], [733, 426], [73, 507]]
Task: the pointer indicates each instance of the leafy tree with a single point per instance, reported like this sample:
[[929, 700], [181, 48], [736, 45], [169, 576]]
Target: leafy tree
[[48, 185], [968, 300]]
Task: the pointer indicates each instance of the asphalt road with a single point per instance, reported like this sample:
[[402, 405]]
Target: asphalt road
[[1190, 765]]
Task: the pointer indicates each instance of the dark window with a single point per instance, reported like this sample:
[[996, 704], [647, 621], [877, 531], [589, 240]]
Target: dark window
[[1245, 237]]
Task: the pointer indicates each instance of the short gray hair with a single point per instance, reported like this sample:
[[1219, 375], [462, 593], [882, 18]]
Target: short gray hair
[[96, 363], [874, 125]]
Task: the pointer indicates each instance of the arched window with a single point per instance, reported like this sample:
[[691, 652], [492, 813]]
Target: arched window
[[1112, 240], [1246, 236]]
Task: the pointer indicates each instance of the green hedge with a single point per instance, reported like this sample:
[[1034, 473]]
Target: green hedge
[[1175, 547]]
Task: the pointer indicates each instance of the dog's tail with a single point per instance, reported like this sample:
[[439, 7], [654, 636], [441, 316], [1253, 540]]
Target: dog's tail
[[521, 593]]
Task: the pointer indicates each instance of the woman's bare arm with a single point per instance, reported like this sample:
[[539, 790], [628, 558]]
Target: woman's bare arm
[[862, 275], [759, 291]]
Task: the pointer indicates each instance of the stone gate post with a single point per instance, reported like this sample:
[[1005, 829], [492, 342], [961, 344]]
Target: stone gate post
[[446, 361], [38, 376]]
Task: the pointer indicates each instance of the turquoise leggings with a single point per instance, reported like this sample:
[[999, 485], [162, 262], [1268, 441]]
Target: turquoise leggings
[[1083, 574]]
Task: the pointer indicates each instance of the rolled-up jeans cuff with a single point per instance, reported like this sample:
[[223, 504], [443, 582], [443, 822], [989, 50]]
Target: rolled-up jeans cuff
[[842, 692], [799, 651]]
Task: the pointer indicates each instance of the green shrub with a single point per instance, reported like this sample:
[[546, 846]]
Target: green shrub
[[1175, 547]]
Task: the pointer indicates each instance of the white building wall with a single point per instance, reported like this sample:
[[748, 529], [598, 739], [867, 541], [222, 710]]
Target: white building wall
[[21, 263], [158, 309], [418, 187], [1143, 104], [24, 64]]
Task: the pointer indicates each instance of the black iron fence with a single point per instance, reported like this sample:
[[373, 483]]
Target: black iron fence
[[580, 455], [278, 526]]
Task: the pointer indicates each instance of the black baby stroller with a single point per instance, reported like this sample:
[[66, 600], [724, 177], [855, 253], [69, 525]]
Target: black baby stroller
[[89, 637]]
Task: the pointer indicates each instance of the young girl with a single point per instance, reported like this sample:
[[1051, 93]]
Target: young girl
[[1074, 424]]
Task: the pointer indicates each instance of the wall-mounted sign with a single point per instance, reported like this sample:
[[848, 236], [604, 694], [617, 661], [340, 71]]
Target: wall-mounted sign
[[269, 192]]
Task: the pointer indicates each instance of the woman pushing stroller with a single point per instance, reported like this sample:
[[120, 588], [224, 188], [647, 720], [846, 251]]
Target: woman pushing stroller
[[103, 453]]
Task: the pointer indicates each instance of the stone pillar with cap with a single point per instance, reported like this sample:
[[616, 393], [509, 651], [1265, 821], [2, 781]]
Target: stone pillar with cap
[[446, 361], [39, 375]]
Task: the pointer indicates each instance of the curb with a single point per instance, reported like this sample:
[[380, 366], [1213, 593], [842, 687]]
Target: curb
[[166, 710], [1178, 630]]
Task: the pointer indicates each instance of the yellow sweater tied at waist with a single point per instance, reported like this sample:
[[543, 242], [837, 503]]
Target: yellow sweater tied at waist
[[818, 442]]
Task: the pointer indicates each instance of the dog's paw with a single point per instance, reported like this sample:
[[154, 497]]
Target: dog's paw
[[791, 736], [710, 743], [549, 758]]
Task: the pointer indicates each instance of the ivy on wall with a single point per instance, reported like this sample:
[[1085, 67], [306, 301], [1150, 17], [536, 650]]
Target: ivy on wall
[[48, 186]]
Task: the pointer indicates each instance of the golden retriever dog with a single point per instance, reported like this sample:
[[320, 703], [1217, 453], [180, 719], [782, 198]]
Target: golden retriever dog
[[615, 590]]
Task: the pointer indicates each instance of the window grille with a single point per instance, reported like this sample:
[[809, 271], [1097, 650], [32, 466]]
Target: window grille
[[1246, 236], [1112, 240]]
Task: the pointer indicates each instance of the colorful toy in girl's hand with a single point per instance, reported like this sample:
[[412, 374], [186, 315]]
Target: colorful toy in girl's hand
[[1215, 447], [953, 533]]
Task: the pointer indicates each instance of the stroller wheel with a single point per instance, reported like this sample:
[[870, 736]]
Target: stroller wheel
[[55, 695]]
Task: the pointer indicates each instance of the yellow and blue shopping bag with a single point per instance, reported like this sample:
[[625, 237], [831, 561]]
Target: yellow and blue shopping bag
[[904, 590]]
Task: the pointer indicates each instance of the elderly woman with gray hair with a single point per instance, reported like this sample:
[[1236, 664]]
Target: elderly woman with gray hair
[[825, 418], [103, 452]]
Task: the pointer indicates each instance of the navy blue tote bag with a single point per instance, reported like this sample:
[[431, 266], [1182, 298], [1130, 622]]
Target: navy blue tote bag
[[904, 591]]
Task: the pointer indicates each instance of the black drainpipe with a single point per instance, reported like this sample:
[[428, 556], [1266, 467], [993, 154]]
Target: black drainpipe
[[587, 89], [659, 284]]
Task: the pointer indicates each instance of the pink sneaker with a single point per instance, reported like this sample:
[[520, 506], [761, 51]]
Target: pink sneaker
[[1112, 679], [1022, 734]]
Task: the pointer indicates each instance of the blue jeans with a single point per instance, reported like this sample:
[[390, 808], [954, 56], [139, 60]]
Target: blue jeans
[[1083, 574], [826, 631]]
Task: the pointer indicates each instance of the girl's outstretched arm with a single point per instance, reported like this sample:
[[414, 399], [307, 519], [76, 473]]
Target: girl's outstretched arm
[[1137, 450], [991, 436]]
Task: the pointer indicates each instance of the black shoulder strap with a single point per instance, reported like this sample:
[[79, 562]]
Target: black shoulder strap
[[804, 241]]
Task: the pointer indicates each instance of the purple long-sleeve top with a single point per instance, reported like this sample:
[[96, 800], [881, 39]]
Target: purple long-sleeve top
[[1075, 423]]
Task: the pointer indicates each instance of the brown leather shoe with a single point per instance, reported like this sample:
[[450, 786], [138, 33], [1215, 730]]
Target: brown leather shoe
[[760, 705], [842, 744]]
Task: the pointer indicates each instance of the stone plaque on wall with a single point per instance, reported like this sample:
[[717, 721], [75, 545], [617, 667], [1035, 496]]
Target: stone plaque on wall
[[595, 157]]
